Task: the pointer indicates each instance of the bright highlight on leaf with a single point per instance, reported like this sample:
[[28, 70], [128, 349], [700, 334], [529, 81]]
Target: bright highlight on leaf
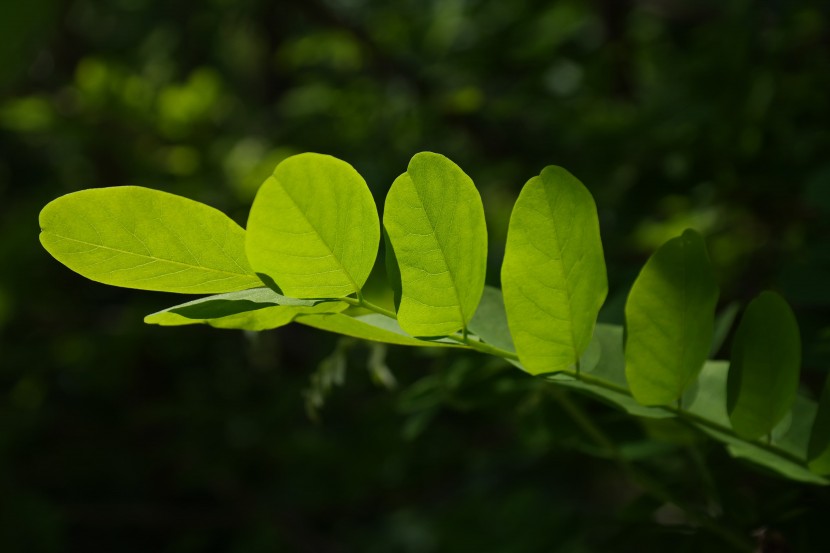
[[256, 309], [147, 239], [766, 357], [670, 318], [435, 222], [313, 228], [553, 276]]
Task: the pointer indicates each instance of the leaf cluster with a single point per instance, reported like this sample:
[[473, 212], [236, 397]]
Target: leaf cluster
[[312, 239]]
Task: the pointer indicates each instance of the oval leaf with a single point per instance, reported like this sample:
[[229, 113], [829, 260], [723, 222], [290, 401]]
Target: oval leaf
[[766, 356], [256, 309], [435, 222], [553, 276], [147, 239], [670, 320], [313, 228]]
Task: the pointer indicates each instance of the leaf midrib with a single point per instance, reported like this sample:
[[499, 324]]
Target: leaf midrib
[[319, 235], [155, 258], [438, 243], [561, 266]]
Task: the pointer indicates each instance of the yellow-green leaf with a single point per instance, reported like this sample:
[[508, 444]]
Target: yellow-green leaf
[[313, 228], [435, 222], [147, 239], [553, 276]]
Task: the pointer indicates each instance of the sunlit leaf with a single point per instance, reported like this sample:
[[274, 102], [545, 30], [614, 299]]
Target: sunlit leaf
[[602, 372], [553, 277], [256, 309], [313, 228], [766, 357], [669, 319], [147, 239], [435, 221]]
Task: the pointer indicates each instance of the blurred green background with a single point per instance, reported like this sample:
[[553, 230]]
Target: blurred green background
[[117, 436]]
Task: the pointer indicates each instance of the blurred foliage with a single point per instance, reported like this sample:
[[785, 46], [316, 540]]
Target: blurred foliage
[[119, 436]]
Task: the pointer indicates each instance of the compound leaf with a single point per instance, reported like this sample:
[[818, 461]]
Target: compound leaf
[[553, 276], [435, 222], [766, 356], [256, 309], [669, 317], [147, 239], [374, 327], [313, 228]]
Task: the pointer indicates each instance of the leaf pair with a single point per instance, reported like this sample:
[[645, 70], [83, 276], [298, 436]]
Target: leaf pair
[[670, 326]]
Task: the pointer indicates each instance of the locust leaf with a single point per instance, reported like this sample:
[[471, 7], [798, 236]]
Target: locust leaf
[[373, 327], [435, 222], [766, 356], [553, 276], [313, 228], [147, 239], [256, 309], [602, 372], [786, 452], [669, 318], [819, 449]]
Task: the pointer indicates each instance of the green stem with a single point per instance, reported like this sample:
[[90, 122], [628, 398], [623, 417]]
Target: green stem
[[691, 417], [648, 484], [360, 301], [678, 411], [483, 347]]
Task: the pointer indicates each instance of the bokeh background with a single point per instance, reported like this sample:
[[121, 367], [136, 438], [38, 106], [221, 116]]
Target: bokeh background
[[117, 436]]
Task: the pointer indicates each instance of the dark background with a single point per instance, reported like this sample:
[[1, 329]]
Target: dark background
[[117, 436]]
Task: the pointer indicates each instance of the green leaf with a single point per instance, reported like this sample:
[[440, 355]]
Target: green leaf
[[669, 318], [553, 276], [374, 327], [766, 356], [435, 221], [490, 320], [313, 228], [603, 362], [256, 309], [819, 450], [707, 399], [147, 239]]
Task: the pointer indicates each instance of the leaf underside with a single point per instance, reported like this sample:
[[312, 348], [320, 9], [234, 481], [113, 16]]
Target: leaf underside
[[374, 327], [256, 309]]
